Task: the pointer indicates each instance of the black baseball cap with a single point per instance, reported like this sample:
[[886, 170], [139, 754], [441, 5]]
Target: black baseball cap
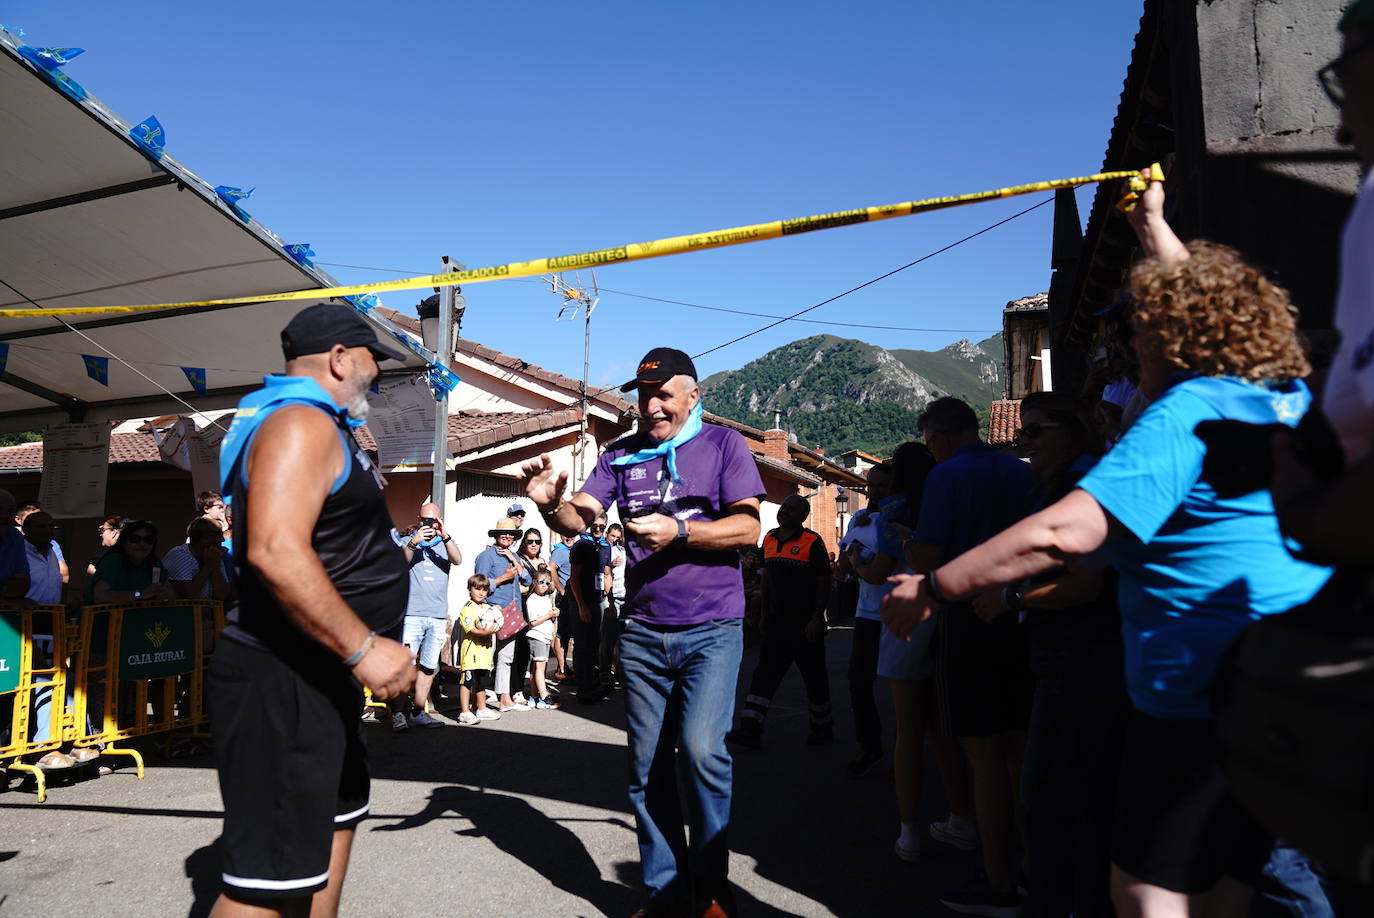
[[315, 329], [660, 365]]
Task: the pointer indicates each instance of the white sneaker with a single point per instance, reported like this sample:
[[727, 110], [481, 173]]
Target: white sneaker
[[518, 706], [468, 719], [955, 832], [519, 698], [486, 714], [910, 855]]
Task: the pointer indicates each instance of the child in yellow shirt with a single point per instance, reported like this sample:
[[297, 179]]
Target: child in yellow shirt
[[477, 652]]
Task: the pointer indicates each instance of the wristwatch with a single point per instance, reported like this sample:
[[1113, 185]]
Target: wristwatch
[[448, 539], [681, 532]]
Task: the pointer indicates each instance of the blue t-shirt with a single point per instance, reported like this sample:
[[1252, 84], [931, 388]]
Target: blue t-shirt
[[429, 568], [13, 559], [560, 556], [1195, 569], [970, 497], [493, 565]]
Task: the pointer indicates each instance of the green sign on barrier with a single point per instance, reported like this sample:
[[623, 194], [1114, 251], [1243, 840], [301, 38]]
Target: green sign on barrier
[[157, 641], [11, 644]]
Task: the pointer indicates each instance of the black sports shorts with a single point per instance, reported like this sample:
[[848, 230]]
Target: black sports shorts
[[477, 680], [1177, 824], [292, 768], [983, 671]]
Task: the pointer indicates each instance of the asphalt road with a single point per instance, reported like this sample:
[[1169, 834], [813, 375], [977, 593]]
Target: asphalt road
[[522, 816]]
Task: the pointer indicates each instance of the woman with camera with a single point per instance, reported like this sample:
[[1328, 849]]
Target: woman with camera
[[1215, 340]]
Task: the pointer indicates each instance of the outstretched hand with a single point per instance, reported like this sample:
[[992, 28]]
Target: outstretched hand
[[542, 484]]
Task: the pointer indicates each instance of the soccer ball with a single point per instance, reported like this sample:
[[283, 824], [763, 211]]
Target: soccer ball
[[490, 617]]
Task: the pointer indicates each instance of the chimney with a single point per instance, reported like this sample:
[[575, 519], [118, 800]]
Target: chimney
[[775, 440]]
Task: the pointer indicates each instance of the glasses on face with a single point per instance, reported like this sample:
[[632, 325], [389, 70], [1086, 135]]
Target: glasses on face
[[1034, 429], [596, 528], [1330, 75], [544, 583], [534, 541], [139, 538]]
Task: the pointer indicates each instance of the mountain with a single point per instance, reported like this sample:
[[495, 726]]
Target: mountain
[[840, 393]]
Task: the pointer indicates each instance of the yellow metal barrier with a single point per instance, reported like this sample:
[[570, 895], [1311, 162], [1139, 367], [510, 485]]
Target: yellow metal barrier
[[141, 670], [29, 669]]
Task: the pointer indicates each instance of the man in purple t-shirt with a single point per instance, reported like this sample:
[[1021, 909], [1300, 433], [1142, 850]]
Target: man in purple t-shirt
[[689, 497]]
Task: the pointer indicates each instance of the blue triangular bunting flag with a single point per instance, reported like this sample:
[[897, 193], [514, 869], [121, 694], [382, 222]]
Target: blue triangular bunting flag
[[97, 368], [196, 377], [50, 58], [148, 134], [301, 252], [231, 196]]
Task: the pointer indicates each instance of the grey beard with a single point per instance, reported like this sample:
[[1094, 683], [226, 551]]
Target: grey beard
[[357, 403]]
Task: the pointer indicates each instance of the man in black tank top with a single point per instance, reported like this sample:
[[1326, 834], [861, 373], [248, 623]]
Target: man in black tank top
[[322, 597]]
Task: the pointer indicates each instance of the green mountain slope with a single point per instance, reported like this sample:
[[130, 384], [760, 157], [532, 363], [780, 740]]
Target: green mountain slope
[[839, 393], [957, 370]]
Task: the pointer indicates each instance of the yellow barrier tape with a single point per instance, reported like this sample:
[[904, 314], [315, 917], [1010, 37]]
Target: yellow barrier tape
[[637, 251]]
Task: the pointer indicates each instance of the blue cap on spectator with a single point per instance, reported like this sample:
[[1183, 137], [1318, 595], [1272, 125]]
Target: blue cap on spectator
[[515, 510]]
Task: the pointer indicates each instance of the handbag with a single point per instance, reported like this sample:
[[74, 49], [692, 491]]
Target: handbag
[[1295, 722], [512, 621]]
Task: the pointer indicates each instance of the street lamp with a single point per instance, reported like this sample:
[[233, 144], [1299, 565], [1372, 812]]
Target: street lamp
[[841, 505]]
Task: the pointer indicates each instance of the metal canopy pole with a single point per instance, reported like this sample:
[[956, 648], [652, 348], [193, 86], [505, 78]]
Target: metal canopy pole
[[443, 356]]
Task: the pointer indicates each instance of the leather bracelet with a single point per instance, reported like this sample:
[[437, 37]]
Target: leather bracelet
[[447, 539], [933, 586], [361, 651]]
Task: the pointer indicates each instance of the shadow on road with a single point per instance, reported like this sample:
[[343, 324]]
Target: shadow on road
[[526, 834]]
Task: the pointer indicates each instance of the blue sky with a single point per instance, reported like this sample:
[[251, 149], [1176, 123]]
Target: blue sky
[[387, 135]]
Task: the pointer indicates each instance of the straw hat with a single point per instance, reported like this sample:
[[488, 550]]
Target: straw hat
[[505, 527]]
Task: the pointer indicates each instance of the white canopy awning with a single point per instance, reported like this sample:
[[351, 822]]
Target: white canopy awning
[[87, 218]]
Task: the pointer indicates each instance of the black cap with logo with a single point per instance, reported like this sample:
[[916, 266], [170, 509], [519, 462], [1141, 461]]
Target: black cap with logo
[[660, 365], [316, 329]]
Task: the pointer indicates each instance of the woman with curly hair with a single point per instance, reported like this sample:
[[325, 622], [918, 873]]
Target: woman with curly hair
[[1215, 340]]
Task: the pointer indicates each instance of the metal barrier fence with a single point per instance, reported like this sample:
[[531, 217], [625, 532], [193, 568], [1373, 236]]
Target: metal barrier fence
[[32, 661], [115, 671]]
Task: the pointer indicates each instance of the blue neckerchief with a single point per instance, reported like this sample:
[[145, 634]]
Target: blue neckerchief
[[431, 543], [589, 538], [256, 406], [668, 448]]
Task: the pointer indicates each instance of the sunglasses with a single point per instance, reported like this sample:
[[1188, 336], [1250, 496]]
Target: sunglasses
[[534, 541], [139, 539], [1033, 430], [1330, 75], [544, 582]]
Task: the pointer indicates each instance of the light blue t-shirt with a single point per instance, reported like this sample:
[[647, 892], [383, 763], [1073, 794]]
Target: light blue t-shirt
[[429, 568], [864, 529], [1195, 568]]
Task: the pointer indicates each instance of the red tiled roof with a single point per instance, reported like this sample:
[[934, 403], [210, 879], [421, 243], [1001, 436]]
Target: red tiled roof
[[467, 431], [124, 448], [472, 430], [609, 399], [1005, 421]]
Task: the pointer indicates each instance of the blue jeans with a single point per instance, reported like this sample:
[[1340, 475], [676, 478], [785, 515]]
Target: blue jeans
[[679, 698], [1289, 887]]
